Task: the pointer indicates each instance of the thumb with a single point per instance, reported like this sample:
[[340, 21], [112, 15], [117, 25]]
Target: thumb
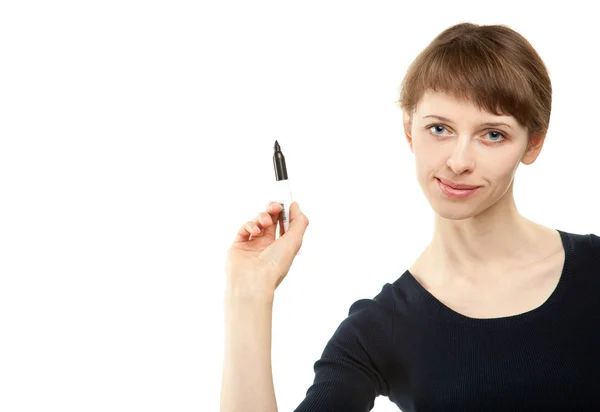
[[284, 249]]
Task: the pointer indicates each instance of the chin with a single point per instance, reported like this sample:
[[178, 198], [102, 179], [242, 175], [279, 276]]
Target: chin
[[447, 209], [458, 213]]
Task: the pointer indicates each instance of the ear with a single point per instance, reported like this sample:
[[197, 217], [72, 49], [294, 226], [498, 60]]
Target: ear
[[533, 149], [407, 130]]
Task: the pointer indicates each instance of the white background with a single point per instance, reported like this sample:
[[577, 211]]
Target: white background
[[137, 137]]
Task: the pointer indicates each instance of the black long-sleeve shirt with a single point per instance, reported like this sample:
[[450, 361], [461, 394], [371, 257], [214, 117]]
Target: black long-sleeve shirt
[[408, 346]]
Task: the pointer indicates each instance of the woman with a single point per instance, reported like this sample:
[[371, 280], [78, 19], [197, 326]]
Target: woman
[[497, 313]]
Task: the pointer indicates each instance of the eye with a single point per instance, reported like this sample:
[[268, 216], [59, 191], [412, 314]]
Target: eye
[[434, 128], [495, 135]]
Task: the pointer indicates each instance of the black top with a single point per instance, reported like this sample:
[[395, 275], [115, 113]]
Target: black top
[[408, 346]]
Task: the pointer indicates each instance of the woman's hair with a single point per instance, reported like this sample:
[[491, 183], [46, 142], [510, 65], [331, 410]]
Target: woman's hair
[[493, 66]]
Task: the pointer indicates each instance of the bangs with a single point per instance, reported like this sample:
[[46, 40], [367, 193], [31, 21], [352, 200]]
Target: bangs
[[493, 67], [471, 71]]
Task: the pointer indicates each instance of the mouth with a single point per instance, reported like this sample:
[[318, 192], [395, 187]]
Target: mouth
[[456, 193]]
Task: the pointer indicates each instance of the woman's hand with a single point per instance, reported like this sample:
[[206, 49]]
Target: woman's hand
[[256, 262]]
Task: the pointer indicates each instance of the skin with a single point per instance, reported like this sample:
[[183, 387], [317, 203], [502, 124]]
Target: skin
[[256, 264], [481, 238], [477, 241]]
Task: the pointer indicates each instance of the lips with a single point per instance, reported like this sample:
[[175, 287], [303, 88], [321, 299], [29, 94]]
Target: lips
[[457, 186], [452, 193]]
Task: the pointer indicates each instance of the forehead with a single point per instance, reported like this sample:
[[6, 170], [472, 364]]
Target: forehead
[[446, 105]]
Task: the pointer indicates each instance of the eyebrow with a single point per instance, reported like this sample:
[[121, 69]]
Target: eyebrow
[[493, 124]]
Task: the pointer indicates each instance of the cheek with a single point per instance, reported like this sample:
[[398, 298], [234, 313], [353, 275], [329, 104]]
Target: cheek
[[426, 168], [502, 168], [429, 161], [425, 152]]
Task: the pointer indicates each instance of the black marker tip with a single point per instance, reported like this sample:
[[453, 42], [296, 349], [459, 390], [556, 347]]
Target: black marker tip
[[279, 163]]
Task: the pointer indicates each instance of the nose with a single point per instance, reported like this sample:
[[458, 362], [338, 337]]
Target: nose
[[461, 159]]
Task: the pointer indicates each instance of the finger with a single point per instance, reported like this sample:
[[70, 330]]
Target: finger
[[248, 228], [273, 212], [287, 246], [245, 231], [263, 221], [272, 204]]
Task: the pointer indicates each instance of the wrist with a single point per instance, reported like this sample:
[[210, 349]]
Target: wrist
[[249, 294]]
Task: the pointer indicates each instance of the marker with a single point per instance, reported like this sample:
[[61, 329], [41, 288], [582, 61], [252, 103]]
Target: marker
[[282, 186]]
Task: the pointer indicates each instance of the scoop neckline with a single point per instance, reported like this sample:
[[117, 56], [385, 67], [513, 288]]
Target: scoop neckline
[[557, 293]]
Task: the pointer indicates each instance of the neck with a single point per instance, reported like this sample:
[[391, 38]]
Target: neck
[[492, 242]]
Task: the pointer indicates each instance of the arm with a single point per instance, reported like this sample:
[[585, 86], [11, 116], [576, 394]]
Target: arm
[[348, 377], [247, 382], [357, 361]]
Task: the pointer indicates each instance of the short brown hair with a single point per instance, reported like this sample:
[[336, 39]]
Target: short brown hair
[[493, 66]]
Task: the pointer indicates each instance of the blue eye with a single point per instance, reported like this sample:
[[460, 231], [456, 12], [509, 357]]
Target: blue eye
[[436, 126], [494, 136], [498, 134]]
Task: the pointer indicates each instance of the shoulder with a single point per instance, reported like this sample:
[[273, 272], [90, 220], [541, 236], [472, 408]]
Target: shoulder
[[384, 313], [374, 313], [581, 242], [382, 302], [595, 241], [584, 249]]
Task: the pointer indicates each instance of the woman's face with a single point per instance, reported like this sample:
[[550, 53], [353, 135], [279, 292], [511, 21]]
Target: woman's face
[[451, 142]]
